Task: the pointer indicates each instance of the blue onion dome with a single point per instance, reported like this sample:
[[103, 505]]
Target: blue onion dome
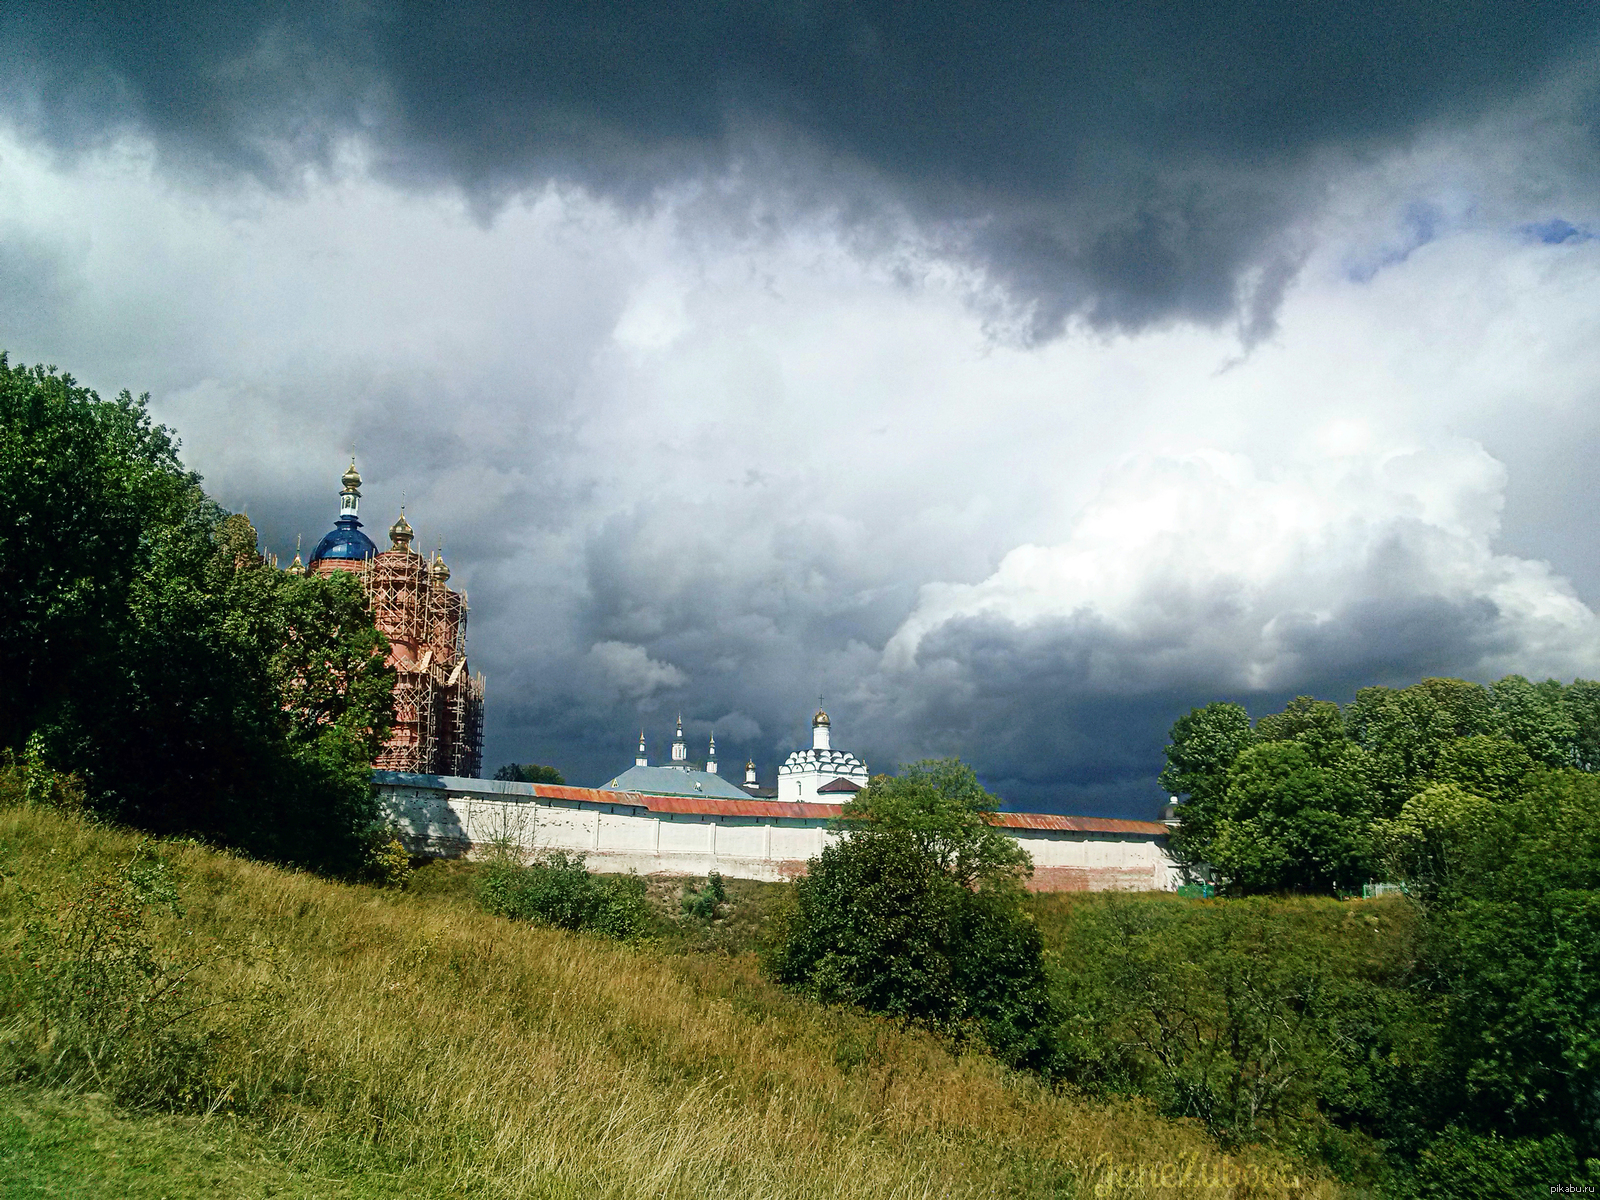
[[344, 540]]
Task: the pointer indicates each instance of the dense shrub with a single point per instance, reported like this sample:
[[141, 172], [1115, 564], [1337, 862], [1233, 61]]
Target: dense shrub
[[1515, 946], [557, 889], [702, 903], [1489, 1167], [1275, 1021], [917, 914]]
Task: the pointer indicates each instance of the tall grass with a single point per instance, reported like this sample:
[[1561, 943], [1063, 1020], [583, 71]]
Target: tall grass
[[469, 1054]]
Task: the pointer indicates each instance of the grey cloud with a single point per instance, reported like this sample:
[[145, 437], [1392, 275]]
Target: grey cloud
[[1124, 164]]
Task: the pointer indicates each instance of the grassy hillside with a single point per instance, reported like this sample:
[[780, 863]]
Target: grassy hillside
[[391, 1042]]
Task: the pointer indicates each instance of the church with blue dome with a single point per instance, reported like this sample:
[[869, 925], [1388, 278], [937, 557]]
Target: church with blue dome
[[438, 701], [345, 542]]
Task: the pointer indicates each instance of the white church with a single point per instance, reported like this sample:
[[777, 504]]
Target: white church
[[819, 775]]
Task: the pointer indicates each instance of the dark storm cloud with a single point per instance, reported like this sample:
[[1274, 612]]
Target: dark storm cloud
[[1024, 700], [1126, 163]]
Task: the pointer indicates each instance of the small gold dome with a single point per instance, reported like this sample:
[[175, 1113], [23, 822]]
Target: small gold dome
[[351, 478], [439, 571], [820, 719], [297, 567], [400, 533]]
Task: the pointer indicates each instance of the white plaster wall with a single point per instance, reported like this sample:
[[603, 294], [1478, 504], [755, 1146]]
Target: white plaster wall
[[457, 821]]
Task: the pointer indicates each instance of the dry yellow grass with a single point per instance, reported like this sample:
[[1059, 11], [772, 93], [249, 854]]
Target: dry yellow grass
[[472, 1056]]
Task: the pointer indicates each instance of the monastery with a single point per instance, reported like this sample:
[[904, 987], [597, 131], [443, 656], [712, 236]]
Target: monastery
[[680, 817], [683, 818]]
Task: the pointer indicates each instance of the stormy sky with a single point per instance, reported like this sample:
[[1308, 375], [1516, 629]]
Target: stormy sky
[[1016, 376]]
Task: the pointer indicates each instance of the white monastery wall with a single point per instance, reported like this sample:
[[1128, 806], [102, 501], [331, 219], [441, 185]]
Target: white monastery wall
[[444, 816]]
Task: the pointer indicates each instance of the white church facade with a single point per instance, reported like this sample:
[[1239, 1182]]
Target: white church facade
[[821, 774]]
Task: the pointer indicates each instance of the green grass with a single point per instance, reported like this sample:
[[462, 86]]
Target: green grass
[[407, 1043], [79, 1147]]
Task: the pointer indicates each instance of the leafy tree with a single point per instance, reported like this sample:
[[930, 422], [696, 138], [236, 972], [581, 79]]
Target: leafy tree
[[1205, 741], [83, 482], [1289, 824], [1316, 725], [1514, 947], [529, 773], [917, 913], [1427, 844], [1581, 702], [1403, 731], [1535, 717], [941, 805], [1485, 765], [192, 687]]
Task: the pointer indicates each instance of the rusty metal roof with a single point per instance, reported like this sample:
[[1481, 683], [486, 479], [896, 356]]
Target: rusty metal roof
[[709, 806], [706, 806], [1010, 820], [553, 791]]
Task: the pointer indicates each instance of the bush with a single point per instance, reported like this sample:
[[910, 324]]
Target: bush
[[557, 889], [877, 923], [1489, 1167], [1266, 1020], [702, 902], [388, 863]]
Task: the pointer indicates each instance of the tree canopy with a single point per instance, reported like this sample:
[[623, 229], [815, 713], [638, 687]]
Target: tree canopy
[[529, 773], [1297, 801], [150, 649], [941, 807]]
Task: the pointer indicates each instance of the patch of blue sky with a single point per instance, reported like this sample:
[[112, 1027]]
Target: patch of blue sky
[[1557, 231], [1420, 222]]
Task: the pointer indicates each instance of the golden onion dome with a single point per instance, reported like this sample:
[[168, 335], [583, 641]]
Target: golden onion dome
[[400, 533], [439, 571], [820, 719], [351, 478], [297, 567]]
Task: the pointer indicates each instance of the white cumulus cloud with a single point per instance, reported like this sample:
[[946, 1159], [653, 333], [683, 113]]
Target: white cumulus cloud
[[1267, 578]]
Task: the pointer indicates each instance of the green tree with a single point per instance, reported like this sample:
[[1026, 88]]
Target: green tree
[[917, 913], [1403, 731], [1287, 823], [1515, 946], [1581, 701], [529, 773], [941, 805], [1204, 743], [82, 483], [1485, 765], [1426, 845], [193, 687], [1535, 717]]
